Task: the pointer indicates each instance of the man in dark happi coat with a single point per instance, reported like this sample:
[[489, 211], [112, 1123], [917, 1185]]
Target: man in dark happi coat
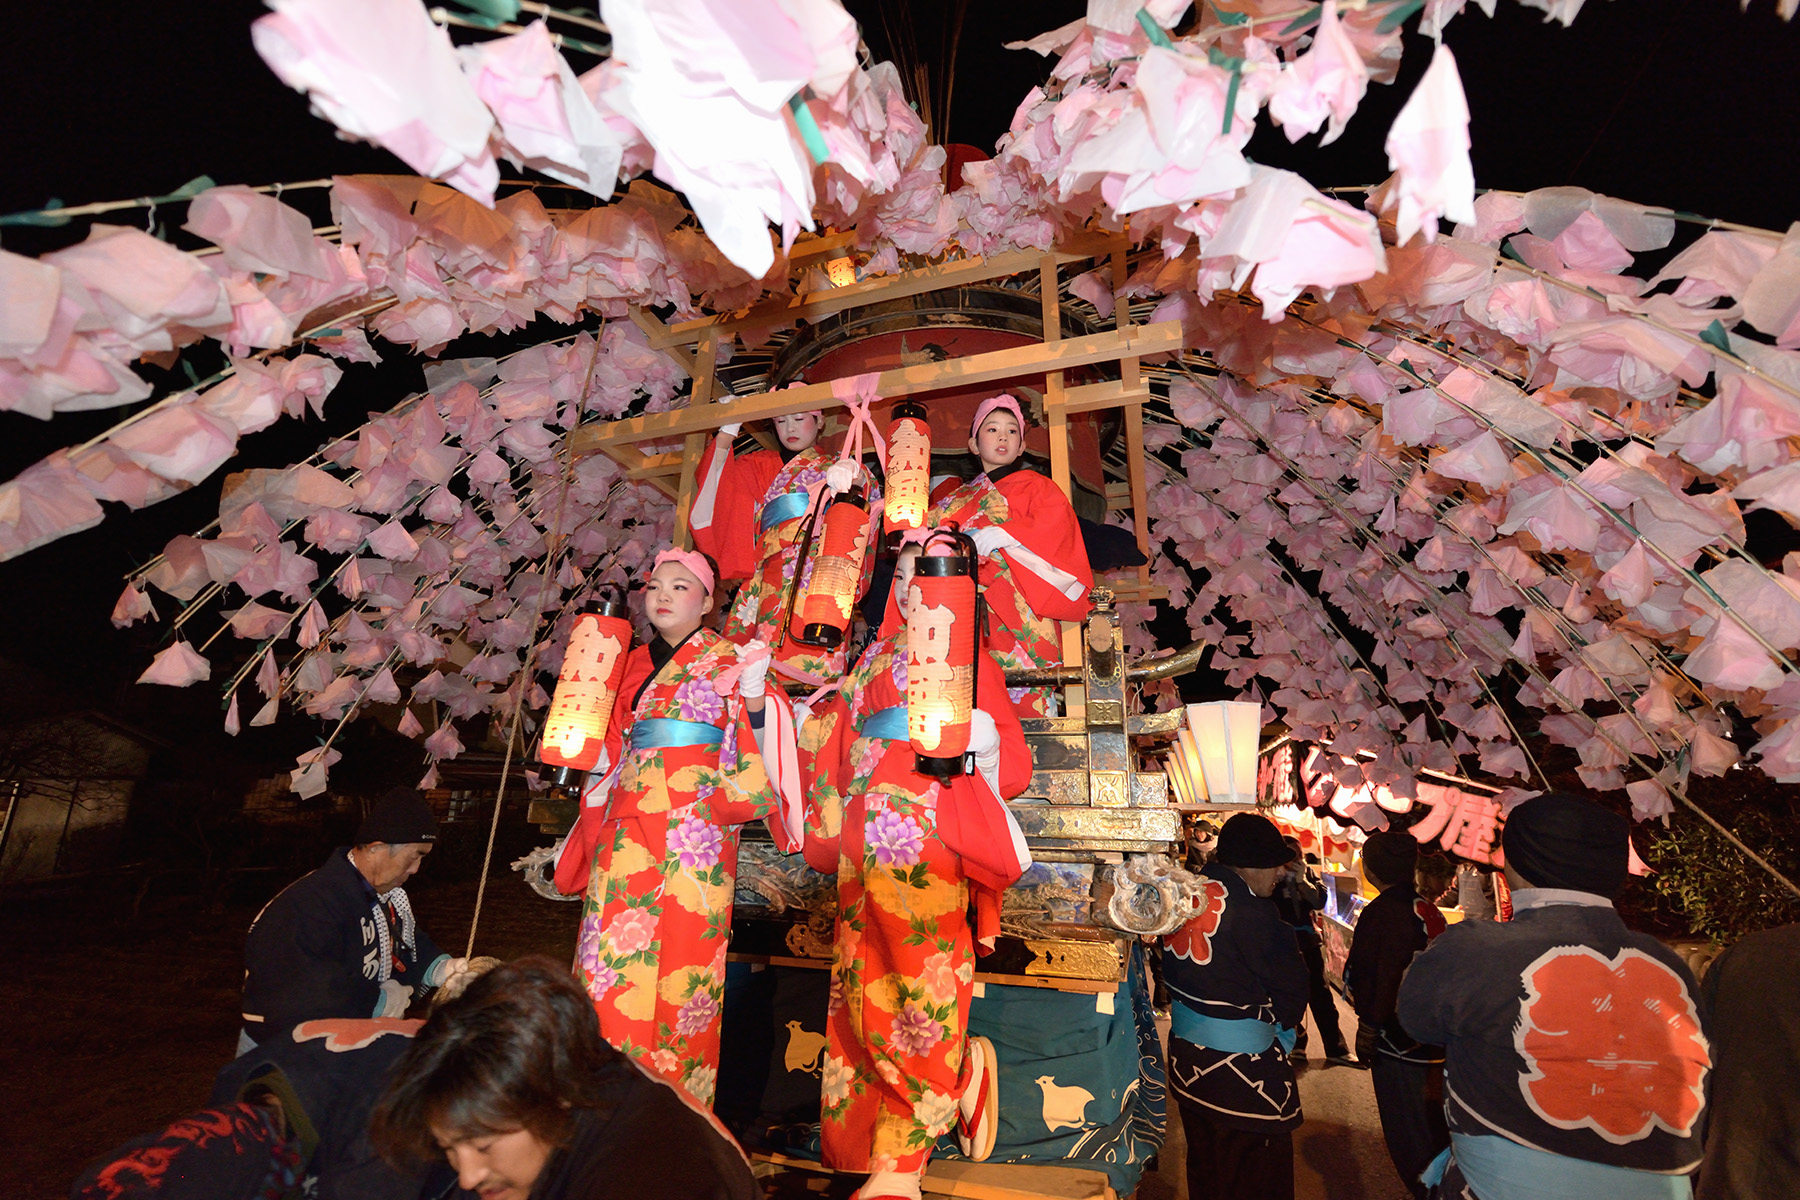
[[1576, 1053], [343, 942], [1240, 989], [1408, 1075]]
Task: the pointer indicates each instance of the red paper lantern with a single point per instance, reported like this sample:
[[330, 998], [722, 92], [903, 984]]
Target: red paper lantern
[[941, 623], [824, 615], [592, 668], [908, 468]]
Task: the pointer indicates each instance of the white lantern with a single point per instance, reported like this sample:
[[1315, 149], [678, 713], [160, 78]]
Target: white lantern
[[1224, 736], [1178, 777]]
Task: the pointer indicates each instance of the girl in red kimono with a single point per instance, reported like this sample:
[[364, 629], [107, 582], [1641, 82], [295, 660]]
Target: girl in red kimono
[[908, 851], [655, 845], [1034, 566], [748, 514]]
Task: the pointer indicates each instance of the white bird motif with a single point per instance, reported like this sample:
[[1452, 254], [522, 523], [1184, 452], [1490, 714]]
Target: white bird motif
[[1064, 1107], [803, 1049]]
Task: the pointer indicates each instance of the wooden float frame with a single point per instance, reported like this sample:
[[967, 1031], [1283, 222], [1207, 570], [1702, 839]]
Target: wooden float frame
[[695, 344]]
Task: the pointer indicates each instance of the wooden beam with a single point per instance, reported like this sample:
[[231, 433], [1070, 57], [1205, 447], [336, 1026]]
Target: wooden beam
[[784, 309], [1140, 504], [820, 247], [656, 465], [1163, 337], [632, 460], [1121, 265], [655, 329], [706, 357], [1110, 393], [1128, 590]]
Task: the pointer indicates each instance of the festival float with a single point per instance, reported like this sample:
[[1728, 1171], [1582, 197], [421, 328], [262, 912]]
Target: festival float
[[1436, 479]]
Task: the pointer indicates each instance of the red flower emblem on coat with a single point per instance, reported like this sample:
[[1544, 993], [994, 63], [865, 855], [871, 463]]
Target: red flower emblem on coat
[[1611, 1044], [353, 1033], [1193, 941], [1429, 917]]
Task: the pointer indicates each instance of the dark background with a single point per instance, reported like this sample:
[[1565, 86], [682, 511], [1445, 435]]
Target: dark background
[[1683, 103]]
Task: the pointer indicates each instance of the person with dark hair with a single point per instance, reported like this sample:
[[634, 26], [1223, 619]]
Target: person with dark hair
[[1240, 988], [1034, 564], [1408, 1076], [287, 1118], [1298, 895], [1433, 877], [1752, 992], [1576, 1052], [343, 941], [514, 1086], [655, 846]]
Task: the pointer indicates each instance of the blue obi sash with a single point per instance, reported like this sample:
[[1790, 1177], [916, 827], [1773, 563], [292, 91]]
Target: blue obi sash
[[782, 509], [656, 733], [1499, 1168], [889, 725], [1243, 1036]]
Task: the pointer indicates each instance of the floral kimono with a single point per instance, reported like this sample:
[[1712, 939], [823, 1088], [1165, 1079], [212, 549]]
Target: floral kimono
[[656, 846], [771, 524], [1030, 586], [903, 965]]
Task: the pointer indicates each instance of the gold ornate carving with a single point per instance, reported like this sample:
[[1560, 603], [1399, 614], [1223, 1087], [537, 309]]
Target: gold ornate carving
[[1076, 960]]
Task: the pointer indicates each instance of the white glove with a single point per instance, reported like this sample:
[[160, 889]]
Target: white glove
[[593, 793], [984, 744], [753, 683], [990, 538], [840, 475], [454, 967], [731, 430], [984, 738], [395, 996]]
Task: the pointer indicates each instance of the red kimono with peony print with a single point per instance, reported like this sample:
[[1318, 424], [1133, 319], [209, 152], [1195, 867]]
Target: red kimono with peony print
[[907, 851], [655, 851]]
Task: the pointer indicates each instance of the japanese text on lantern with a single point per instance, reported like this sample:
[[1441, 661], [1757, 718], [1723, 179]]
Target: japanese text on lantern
[[831, 591], [584, 694], [909, 473], [934, 686]]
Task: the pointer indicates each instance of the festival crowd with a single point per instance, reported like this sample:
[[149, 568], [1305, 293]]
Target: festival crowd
[[1553, 1055]]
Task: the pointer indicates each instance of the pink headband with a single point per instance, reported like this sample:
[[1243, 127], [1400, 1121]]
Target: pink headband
[[990, 404], [693, 560]]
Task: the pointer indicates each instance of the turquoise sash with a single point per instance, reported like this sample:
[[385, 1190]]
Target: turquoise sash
[[1244, 1036], [656, 733], [1499, 1168], [783, 508], [889, 725]]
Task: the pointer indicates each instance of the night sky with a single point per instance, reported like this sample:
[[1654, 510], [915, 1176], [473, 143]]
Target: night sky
[[1683, 103]]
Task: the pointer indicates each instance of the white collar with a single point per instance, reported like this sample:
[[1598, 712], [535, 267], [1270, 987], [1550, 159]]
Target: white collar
[[1524, 898]]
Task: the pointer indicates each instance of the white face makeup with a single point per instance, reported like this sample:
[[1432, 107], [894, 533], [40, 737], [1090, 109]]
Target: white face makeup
[[675, 600], [998, 440], [798, 431], [903, 576]]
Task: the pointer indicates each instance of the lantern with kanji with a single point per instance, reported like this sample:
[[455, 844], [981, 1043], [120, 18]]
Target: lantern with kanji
[[908, 468], [941, 623], [824, 614], [592, 668]]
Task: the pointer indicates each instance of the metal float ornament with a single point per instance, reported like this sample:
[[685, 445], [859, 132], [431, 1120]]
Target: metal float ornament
[[824, 615], [943, 618], [908, 493], [593, 666]]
